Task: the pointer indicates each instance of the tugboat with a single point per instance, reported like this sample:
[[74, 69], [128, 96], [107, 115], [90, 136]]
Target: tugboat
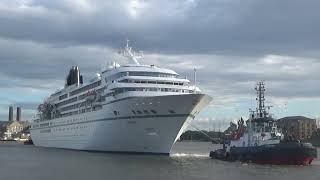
[[261, 142]]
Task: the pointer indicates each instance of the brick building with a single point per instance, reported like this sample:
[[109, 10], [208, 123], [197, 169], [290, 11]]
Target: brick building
[[298, 127]]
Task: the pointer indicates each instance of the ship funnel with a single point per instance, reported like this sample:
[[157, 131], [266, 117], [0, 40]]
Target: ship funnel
[[74, 77]]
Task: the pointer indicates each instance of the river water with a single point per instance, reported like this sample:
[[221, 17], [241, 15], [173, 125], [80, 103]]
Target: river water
[[188, 160]]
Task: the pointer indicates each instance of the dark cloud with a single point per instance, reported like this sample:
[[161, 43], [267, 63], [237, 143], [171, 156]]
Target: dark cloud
[[233, 27], [29, 60], [233, 44]]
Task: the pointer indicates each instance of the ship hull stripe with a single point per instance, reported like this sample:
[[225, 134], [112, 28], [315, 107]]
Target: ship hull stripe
[[118, 118]]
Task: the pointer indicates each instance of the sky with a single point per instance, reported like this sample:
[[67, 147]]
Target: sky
[[232, 44]]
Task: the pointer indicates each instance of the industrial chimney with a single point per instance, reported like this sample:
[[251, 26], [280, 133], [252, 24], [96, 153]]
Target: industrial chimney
[[18, 114], [10, 113]]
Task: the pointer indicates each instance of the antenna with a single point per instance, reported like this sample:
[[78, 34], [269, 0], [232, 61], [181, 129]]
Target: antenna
[[195, 77], [260, 89], [127, 43], [130, 54], [251, 100]]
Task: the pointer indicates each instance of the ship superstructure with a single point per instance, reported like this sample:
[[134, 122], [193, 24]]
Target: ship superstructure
[[261, 126], [260, 141], [128, 108]]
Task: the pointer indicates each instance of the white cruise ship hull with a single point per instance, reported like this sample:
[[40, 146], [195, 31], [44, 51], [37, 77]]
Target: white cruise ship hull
[[135, 124]]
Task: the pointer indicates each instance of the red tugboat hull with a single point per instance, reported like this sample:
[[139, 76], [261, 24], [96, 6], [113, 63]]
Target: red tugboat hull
[[287, 161]]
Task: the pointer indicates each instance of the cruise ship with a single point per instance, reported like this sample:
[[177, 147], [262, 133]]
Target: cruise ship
[[128, 108]]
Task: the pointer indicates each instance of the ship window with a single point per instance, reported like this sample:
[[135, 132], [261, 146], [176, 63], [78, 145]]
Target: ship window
[[146, 111], [125, 80], [100, 90], [74, 106], [63, 96], [139, 112], [115, 76], [152, 74], [82, 96], [85, 88], [67, 101], [153, 111], [115, 112], [133, 112], [171, 111], [123, 90]]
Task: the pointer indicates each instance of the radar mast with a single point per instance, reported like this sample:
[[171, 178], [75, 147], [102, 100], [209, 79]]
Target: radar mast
[[261, 109], [129, 53]]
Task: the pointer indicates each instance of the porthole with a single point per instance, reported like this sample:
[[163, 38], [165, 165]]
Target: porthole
[[171, 111]]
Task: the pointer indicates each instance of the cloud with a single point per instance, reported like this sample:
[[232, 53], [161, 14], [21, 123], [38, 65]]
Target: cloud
[[232, 44], [180, 26]]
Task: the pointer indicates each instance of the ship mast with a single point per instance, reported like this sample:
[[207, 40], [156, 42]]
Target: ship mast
[[261, 110], [129, 53]]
